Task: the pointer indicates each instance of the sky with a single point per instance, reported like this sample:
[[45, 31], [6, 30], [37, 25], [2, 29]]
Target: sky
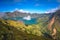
[[33, 6]]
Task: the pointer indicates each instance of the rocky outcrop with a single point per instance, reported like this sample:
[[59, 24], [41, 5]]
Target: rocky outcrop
[[54, 24]]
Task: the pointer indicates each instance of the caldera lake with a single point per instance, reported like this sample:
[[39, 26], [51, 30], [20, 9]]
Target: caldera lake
[[27, 22]]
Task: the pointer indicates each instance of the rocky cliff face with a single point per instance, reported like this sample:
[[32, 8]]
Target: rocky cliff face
[[55, 17], [54, 24]]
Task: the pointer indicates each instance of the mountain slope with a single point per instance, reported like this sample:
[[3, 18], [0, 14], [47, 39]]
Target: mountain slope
[[54, 24], [10, 31]]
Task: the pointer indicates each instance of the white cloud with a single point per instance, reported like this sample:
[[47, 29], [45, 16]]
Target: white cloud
[[27, 17], [20, 10], [32, 11], [52, 10]]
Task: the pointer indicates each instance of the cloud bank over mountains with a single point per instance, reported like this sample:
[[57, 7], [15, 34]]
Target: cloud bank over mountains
[[20, 10], [26, 11], [52, 10]]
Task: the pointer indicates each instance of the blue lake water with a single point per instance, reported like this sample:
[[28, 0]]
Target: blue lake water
[[28, 22]]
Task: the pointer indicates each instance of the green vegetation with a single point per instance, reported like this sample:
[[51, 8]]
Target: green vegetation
[[14, 30], [17, 30]]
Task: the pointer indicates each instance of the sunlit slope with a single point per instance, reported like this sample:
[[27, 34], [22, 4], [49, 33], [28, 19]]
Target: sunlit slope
[[14, 30]]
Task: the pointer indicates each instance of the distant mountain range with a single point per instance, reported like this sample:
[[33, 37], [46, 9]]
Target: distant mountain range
[[22, 14]]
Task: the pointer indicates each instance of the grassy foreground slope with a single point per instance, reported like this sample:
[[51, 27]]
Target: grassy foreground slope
[[14, 30]]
